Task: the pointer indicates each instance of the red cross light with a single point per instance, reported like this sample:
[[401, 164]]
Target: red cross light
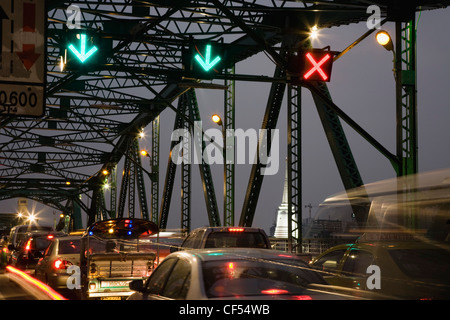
[[318, 66]]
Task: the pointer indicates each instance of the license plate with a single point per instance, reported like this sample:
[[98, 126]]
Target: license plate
[[111, 298], [114, 284]]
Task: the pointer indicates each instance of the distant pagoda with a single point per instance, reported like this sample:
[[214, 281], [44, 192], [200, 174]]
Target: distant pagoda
[[281, 228]]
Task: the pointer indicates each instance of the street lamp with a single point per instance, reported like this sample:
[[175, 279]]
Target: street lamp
[[314, 33], [384, 39], [31, 218], [217, 119]]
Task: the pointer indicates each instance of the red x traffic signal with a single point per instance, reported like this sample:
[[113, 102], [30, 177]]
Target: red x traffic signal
[[312, 65], [317, 66]]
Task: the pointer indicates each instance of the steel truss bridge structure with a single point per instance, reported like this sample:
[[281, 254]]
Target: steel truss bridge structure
[[93, 117]]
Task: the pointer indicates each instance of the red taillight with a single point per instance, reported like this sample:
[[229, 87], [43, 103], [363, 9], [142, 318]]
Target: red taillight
[[28, 246], [236, 229], [285, 256], [274, 291], [61, 264], [304, 297], [50, 236]]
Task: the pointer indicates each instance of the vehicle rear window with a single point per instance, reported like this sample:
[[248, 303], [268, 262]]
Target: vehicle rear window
[[69, 246], [42, 243], [228, 278], [236, 240]]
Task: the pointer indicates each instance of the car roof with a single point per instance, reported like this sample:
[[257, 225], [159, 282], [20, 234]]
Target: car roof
[[68, 238], [226, 229], [39, 233], [387, 245], [235, 253]]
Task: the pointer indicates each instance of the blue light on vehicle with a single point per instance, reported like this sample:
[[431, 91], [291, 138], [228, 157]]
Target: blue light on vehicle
[[129, 223], [129, 233], [91, 233]]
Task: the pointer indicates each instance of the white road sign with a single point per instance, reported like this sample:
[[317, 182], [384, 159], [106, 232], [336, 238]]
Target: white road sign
[[23, 55]]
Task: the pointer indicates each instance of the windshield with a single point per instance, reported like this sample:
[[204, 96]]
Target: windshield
[[228, 278]]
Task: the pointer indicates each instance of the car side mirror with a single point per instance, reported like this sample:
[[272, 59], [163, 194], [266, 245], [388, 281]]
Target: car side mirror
[[136, 285]]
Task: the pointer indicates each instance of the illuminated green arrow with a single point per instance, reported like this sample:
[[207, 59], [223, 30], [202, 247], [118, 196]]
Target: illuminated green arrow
[[207, 64], [83, 55]]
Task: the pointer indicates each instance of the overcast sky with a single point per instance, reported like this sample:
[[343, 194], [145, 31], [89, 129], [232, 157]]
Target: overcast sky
[[362, 85]]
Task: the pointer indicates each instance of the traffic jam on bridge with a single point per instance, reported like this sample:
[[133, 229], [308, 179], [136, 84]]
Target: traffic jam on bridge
[[387, 240]]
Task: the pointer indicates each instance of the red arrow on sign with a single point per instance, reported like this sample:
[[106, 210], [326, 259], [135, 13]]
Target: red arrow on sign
[[29, 17], [28, 56]]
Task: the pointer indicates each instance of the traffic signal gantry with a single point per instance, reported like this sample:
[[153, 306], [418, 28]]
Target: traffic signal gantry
[[205, 60]]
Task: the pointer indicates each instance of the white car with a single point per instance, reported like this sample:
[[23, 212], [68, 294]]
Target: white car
[[234, 273]]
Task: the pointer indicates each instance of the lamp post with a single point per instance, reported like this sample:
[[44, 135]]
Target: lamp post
[[385, 40], [406, 110], [218, 120], [145, 153]]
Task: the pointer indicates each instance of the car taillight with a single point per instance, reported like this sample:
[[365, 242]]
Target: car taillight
[[274, 291], [302, 297], [28, 245], [235, 229], [61, 264]]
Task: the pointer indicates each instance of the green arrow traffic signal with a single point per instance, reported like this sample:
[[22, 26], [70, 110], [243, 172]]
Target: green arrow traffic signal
[[82, 55], [206, 63]]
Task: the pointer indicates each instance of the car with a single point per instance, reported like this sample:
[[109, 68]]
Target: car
[[233, 273], [226, 237], [3, 252], [17, 233], [30, 249], [407, 269], [61, 253]]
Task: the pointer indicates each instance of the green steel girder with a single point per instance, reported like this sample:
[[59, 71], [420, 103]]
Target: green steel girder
[[154, 164], [188, 105], [229, 168], [171, 170], [270, 120], [205, 170], [294, 168]]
